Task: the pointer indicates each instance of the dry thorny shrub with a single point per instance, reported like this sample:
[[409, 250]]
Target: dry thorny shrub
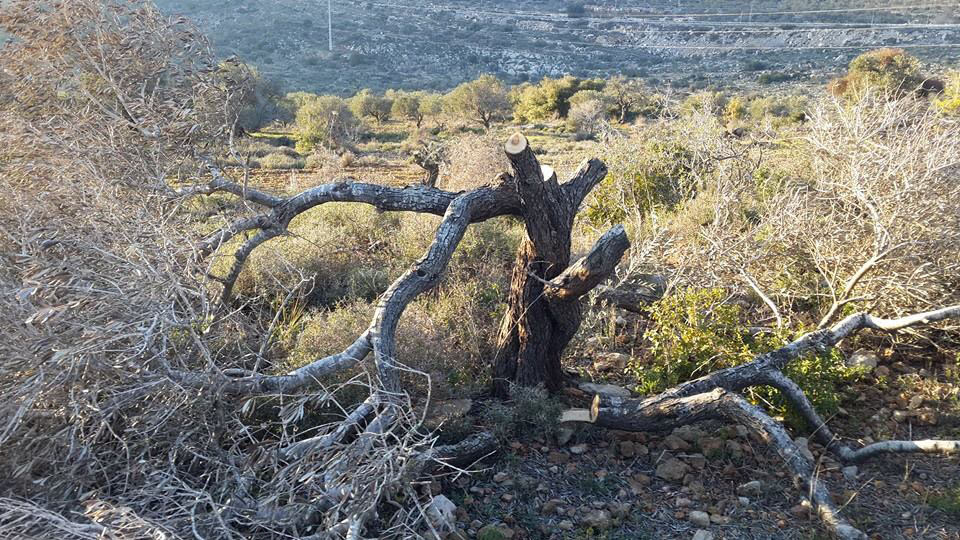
[[472, 161], [860, 208], [104, 103]]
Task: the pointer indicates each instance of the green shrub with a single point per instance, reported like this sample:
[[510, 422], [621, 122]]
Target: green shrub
[[704, 102], [281, 161], [324, 121], [368, 104], [483, 100], [406, 105], [735, 110], [950, 101], [694, 332], [892, 72], [584, 96], [255, 148], [549, 99], [788, 108], [774, 77], [346, 250], [658, 174]]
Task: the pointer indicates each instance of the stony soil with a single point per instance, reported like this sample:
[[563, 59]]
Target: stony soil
[[717, 479]]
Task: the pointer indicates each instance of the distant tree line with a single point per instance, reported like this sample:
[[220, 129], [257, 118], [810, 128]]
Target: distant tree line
[[588, 106]]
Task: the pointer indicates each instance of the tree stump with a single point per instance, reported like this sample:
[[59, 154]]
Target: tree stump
[[544, 309]]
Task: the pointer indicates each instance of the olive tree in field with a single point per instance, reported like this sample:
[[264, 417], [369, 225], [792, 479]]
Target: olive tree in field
[[483, 100], [367, 104], [135, 402], [624, 94], [324, 121], [431, 106]]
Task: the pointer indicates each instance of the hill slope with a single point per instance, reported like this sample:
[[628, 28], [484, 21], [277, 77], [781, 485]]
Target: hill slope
[[437, 44]]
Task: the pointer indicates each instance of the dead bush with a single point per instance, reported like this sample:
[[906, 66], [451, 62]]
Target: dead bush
[[472, 161]]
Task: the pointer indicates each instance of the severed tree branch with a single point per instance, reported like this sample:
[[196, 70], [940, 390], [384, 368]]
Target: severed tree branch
[[221, 183], [831, 442], [581, 277], [380, 337], [663, 413], [713, 396], [752, 373], [590, 173], [487, 203]]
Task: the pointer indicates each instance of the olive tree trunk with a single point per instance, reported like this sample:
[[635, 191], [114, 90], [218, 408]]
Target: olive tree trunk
[[544, 308]]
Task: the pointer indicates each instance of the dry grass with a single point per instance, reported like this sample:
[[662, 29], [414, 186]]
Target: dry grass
[[473, 161]]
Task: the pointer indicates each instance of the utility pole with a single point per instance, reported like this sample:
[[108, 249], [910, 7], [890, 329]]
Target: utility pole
[[330, 22]]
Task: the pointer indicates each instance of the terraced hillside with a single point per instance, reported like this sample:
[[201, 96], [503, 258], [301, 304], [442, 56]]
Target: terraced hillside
[[437, 44]]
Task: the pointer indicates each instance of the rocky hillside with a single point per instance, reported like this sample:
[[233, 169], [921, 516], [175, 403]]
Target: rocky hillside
[[437, 44]]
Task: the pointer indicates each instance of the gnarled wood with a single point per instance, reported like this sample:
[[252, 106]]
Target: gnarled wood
[[713, 396], [540, 320], [581, 277], [487, 203], [664, 413]]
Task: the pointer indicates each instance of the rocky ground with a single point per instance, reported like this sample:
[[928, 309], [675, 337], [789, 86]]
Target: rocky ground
[[716, 481]]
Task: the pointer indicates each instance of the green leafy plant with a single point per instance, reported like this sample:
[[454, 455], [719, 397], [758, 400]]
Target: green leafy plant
[[947, 502], [695, 332], [892, 72], [950, 101], [659, 176]]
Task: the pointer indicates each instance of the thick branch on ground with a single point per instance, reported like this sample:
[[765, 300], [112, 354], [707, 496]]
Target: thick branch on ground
[[823, 434], [754, 373], [713, 396], [637, 300], [581, 277], [661, 413]]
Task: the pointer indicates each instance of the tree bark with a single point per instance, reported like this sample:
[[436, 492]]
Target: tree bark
[[543, 316]]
